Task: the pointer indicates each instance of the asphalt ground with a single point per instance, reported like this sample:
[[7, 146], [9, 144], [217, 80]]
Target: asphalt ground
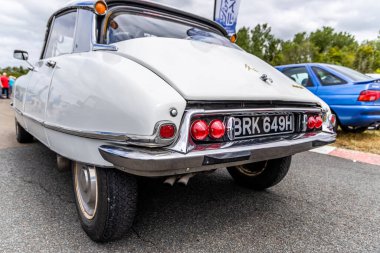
[[325, 204]]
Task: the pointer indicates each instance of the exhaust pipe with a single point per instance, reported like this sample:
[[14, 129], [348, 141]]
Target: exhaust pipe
[[184, 180], [170, 180]]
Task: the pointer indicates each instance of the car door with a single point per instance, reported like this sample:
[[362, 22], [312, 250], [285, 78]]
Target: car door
[[301, 75], [59, 42]]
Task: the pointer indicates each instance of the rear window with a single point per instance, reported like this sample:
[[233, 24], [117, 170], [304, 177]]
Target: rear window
[[127, 25], [327, 78], [351, 74]]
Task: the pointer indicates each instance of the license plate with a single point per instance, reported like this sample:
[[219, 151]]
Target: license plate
[[254, 126]]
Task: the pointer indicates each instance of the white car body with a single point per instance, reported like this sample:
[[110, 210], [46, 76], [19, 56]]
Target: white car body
[[117, 95]]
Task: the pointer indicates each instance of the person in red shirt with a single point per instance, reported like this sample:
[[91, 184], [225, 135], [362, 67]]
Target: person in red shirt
[[5, 83]]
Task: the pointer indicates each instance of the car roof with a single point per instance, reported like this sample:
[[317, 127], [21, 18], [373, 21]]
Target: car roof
[[88, 4], [305, 64]]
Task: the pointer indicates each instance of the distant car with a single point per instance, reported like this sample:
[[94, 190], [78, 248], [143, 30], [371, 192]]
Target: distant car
[[352, 96], [376, 76]]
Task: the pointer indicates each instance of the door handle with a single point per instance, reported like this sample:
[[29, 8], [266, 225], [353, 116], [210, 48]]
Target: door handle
[[51, 64]]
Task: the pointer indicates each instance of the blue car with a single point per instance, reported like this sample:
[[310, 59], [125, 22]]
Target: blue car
[[352, 96]]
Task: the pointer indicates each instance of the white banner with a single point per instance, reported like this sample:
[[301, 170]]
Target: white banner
[[226, 14]]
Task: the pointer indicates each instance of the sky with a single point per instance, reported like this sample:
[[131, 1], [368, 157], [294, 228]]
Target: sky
[[23, 22]]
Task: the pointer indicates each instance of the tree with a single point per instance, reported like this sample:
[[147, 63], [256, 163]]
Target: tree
[[323, 45], [298, 50], [365, 58], [260, 42], [14, 71]]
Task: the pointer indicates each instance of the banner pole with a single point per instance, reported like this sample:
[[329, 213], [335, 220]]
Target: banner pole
[[215, 9]]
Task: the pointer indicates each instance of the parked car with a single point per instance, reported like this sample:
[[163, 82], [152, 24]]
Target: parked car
[[352, 96], [133, 88], [374, 76]]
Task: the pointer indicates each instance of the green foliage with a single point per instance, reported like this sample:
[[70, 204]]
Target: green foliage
[[323, 45], [14, 71]]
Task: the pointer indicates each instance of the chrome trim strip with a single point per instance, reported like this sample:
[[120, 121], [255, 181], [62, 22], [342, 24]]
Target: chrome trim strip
[[183, 143], [153, 140], [103, 47]]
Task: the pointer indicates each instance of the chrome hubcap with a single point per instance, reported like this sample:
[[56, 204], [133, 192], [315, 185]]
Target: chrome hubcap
[[86, 189], [252, 170]]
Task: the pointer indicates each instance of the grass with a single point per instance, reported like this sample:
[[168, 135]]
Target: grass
[[369, 141]]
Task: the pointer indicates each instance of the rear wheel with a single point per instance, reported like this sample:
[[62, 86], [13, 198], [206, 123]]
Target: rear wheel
[[22, 135], [261, 175], [351, 129], [106, 201]]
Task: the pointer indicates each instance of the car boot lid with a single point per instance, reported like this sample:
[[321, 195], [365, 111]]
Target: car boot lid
[[203, 71]]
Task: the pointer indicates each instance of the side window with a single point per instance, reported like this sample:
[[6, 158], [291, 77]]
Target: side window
[[327, 78], [300, 75], [61, 38], [83, 31]]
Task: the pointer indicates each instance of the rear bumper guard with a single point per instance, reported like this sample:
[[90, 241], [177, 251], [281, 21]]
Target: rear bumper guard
[[168, 162]]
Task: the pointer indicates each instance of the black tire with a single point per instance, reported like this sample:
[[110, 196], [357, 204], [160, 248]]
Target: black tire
[[116, 205], [22, 135], [355, 130], [261, 175]]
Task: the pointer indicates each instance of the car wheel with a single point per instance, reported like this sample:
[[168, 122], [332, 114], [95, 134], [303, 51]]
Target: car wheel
[[106, 201], [261, 175], [22, 135], [355, 130]]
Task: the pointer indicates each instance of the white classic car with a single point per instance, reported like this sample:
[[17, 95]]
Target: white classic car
[[128, 88]]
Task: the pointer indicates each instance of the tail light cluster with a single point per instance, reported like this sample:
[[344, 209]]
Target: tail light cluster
[[369, 95], [314, 122], [200, 129]]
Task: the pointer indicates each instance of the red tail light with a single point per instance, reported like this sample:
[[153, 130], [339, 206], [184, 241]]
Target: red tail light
[[311, 122], [167, 131], [217, 129], [332, 120], [369, 95], [199, 130], [318, 122]]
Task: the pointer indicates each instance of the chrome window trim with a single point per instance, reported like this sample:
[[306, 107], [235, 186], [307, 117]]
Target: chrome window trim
[[51, 27], [75, 31], [132, 10], [52, 20], [48, 39]]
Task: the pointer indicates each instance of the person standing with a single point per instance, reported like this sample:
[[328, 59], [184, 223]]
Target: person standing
[[12, 80], [1, 89], [5, 82]]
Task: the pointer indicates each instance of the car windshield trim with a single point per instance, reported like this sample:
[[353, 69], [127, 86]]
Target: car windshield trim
[[354, 75], [195, 30], [164, 9]]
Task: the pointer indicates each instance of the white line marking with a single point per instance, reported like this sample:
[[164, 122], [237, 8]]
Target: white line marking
[[324, 150]]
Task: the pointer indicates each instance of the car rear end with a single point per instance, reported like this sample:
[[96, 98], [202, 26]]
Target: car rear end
[[216, 135], [364, 107]]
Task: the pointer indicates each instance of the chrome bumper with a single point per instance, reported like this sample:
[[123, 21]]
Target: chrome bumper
[[166, 162]]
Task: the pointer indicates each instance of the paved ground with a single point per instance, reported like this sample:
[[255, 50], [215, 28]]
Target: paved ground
[[7, 125], [325, 204], [356, 156]]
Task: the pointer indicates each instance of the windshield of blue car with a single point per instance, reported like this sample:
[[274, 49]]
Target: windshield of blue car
[[350, 73], [126, 26]]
